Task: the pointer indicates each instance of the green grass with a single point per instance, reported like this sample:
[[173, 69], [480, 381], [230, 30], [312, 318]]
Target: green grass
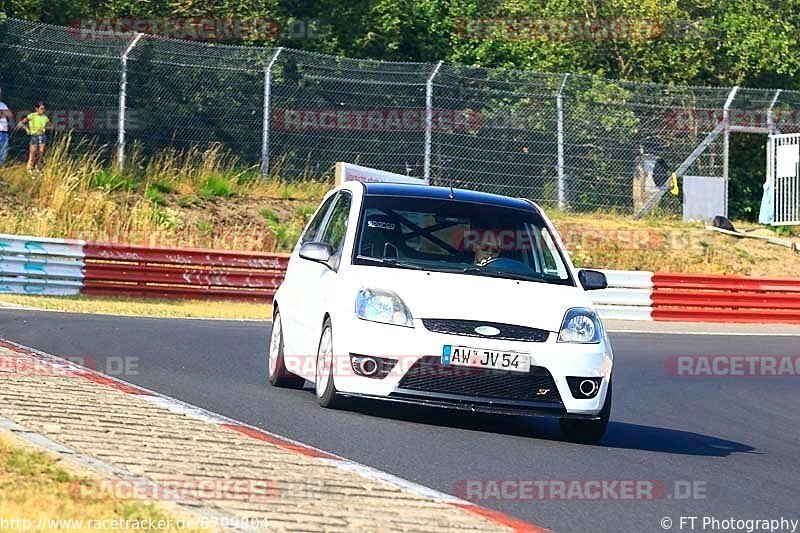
[[204, 226], [286, 233], [248, 177], [155, 196], [163, 187], [286, 236], [33, 464], [188, 200], [270, 215], [215, 186], [109, 181], [305, 210]]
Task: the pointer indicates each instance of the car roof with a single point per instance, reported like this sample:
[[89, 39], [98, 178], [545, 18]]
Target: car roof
[[428, 191]]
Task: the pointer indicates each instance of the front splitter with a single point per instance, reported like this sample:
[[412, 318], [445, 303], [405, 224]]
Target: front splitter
[[537, 409]]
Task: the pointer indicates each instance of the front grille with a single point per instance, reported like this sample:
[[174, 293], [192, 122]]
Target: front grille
[[466, 328], [429, 375]]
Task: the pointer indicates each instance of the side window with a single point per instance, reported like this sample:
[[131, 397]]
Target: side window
[[316, 222], [336, 227], [549, 253]]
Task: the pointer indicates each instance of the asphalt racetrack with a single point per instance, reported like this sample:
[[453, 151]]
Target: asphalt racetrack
[[734, 440]]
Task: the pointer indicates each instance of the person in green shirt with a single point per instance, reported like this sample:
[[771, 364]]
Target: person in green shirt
[[36, 125]]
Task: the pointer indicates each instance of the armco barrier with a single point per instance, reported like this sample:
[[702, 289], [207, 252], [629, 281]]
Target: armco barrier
[[705, 298], [35, 265], [628, 296], [139, 271]]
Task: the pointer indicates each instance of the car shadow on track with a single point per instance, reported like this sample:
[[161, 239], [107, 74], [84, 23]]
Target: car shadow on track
[[621, 435], [665, 440]]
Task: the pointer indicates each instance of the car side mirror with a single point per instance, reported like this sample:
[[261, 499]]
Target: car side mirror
[[592, 280], [319, 252]]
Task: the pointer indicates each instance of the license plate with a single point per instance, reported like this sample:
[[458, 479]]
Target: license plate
[[481, 358]]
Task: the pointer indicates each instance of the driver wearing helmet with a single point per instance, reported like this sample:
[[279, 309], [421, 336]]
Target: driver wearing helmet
[[486, 251]]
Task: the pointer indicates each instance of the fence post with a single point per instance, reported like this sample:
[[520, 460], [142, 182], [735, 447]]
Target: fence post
[[123, 93], [429, 120], [770, 114], [562, 196], [265, 121], [726, 144]]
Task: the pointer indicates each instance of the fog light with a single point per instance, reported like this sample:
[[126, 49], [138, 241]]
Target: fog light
[[370, 366], [584, 388]]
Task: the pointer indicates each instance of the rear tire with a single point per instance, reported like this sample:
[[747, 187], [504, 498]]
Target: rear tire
[[588, 431], [327, 395], [279, 376]]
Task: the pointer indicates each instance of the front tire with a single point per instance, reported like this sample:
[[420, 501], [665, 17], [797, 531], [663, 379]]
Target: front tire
[[588, 431], [327, 396], [279, 376]]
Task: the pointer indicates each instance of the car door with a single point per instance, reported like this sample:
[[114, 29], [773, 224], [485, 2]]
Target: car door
[[319, 278], [293, 287]]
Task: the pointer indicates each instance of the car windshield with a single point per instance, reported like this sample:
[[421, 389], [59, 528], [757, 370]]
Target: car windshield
[[445, 235]]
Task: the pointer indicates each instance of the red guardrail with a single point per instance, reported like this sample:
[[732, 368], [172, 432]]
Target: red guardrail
[[140, 271], [708, 298]]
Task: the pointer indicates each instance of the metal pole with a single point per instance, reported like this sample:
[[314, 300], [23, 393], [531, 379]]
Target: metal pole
[[265, 120], [562, 197], [770, 116], [770, 174], [726, 145], [429, 120], [123, 93]]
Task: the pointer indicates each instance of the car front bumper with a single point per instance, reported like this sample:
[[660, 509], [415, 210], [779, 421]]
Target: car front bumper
[[409, 345]]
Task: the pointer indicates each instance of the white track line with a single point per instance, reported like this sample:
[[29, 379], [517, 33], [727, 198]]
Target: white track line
[[704, 333]]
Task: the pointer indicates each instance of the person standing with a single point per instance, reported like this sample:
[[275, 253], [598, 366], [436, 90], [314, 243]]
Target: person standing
[[36, 125], [5, 120]]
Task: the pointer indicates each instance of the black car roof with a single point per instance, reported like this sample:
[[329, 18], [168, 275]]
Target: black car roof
[[428, 191]]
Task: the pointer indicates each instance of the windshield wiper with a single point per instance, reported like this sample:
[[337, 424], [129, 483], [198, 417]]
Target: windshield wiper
[[390, 262], [504, 275]]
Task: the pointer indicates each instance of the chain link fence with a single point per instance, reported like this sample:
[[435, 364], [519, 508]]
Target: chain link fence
[[571, 141]]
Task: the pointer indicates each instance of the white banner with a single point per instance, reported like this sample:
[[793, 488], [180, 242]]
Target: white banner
[[351, 172]]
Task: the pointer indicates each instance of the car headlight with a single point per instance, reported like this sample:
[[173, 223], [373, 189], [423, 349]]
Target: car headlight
[[383, 306], [580, 325]]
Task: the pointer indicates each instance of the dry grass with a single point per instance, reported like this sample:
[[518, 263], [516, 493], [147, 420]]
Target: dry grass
[[33, 485], [144, 307], [602, 240], [78, 195]]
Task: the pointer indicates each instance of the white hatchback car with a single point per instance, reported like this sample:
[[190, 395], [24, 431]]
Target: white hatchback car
[[442, 297]]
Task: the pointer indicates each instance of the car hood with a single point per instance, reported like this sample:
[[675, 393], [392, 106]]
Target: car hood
[[471, 297]]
